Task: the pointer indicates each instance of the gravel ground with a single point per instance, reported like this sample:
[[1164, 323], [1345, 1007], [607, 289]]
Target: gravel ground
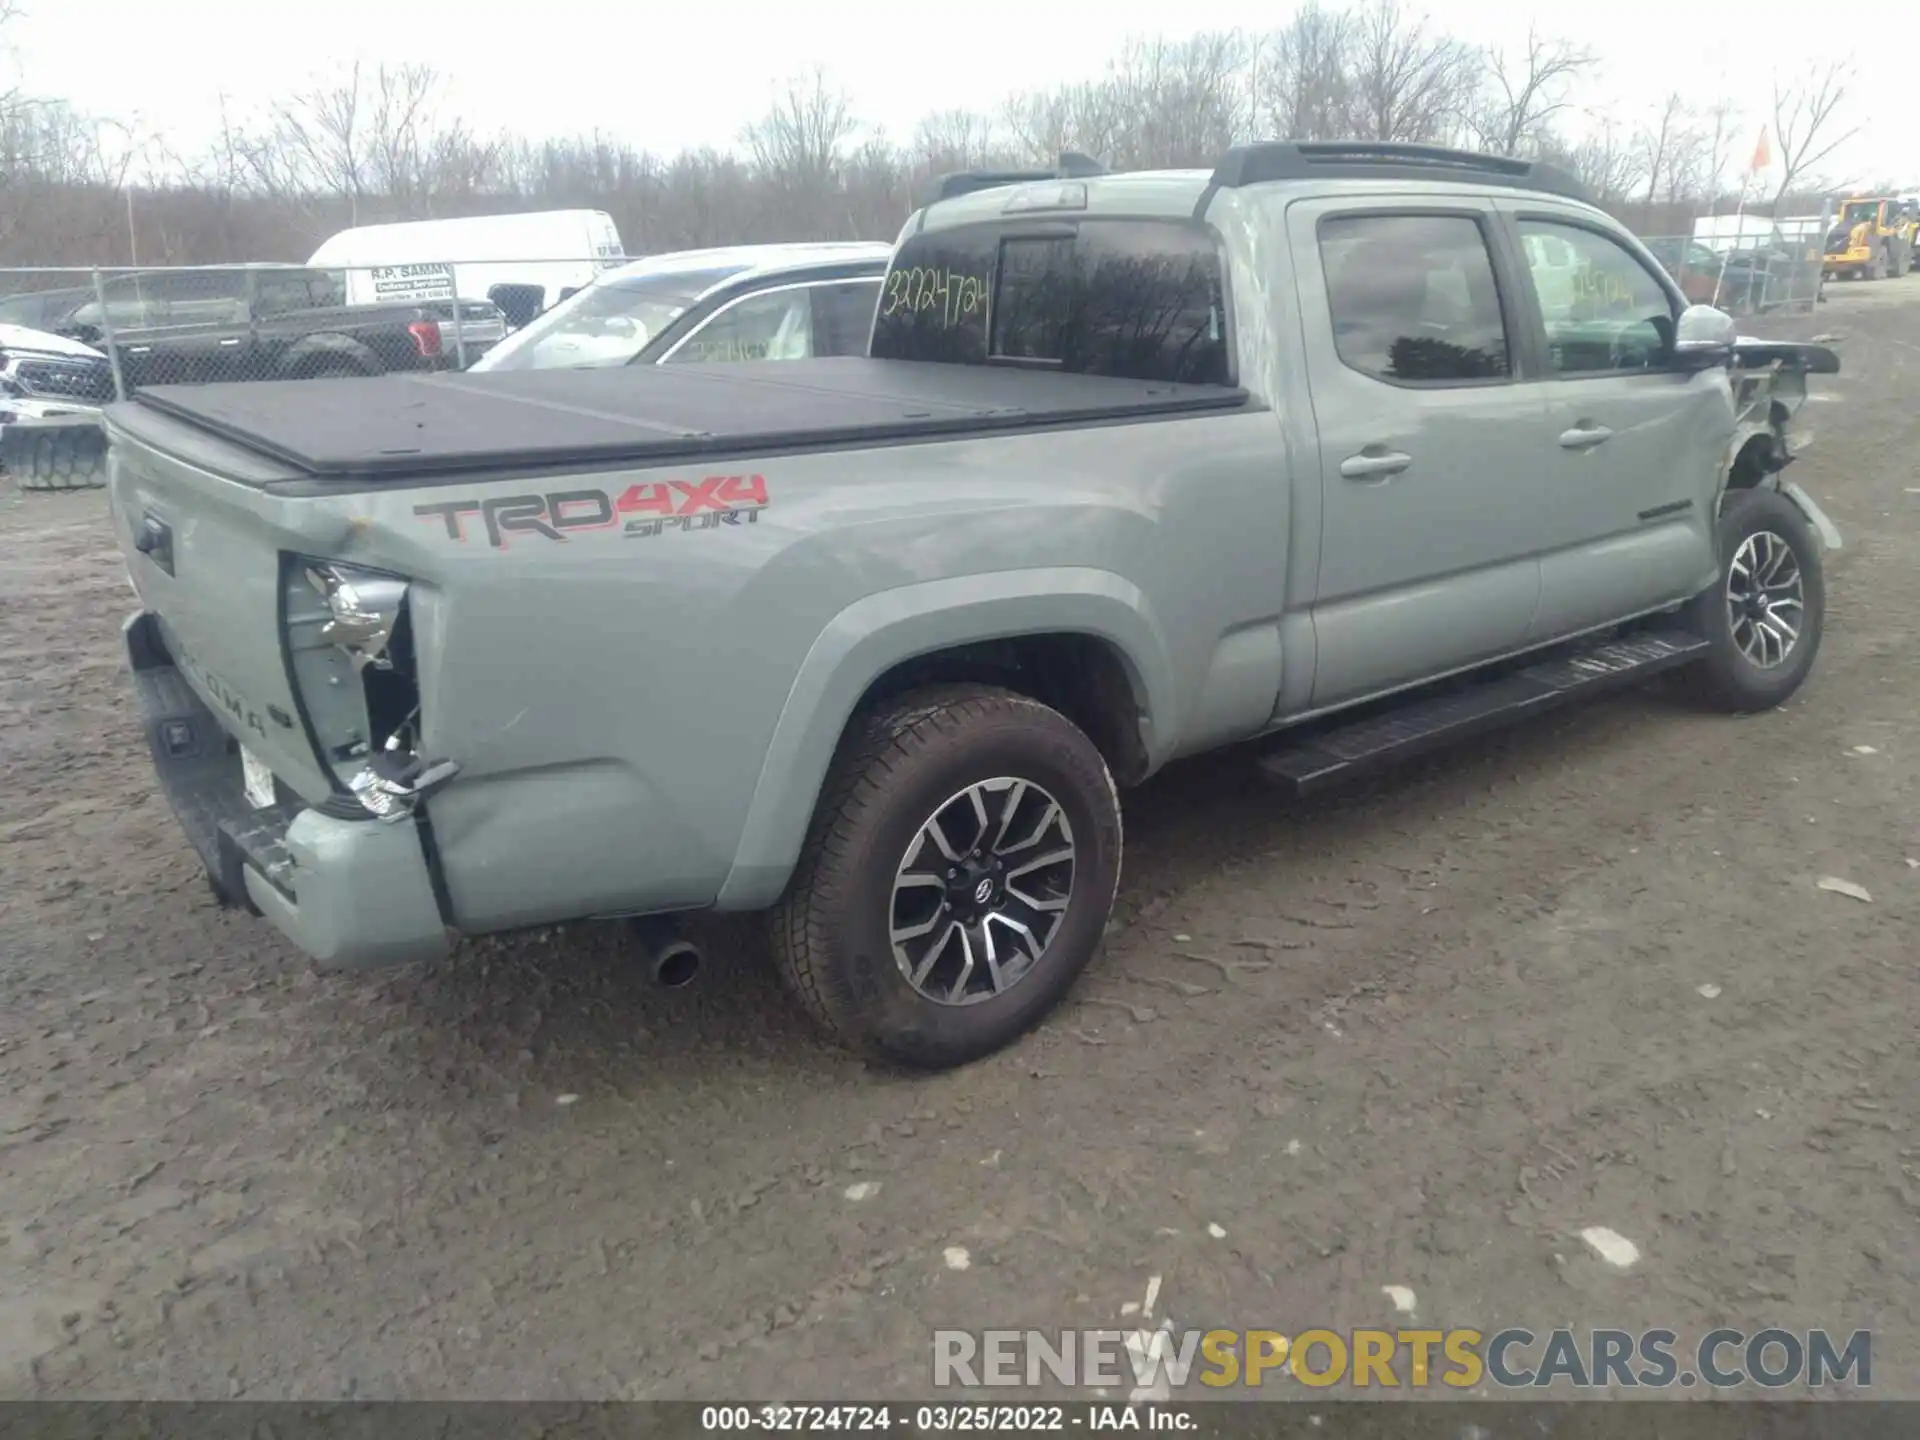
[[1421, 1034]]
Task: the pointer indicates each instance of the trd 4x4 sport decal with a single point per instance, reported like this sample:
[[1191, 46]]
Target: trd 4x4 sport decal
[[641, 510]]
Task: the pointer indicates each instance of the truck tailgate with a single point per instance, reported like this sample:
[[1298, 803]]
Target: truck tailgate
[[205, 553]]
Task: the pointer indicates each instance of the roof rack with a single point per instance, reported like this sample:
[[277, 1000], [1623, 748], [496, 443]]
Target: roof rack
[[1388, 160], [1073, 166]]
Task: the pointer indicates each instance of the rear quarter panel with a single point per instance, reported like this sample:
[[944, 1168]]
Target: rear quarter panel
[[644, 711]]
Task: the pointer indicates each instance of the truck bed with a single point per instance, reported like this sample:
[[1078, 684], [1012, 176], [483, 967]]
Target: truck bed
[[404, 427]]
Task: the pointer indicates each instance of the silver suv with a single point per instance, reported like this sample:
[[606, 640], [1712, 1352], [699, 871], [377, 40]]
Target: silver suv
[[751, 302]]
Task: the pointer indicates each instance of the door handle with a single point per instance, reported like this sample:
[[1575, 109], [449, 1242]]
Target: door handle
[[234, 340], [1584, 437], [1374, 463]]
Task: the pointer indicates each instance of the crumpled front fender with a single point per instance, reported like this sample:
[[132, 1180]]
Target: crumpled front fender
[[1769, 388]]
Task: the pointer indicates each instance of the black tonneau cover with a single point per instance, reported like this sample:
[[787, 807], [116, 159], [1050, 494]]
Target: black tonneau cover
[[396, 427]]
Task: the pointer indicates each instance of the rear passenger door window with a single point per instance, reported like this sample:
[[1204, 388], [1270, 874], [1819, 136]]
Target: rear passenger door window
[[195, 298], [843, 316], [1414, 299], [1603, 310], [772, 325], [281, 292]]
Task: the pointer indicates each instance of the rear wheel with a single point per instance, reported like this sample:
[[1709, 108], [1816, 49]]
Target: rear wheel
[[1766, 613], [958, 877], [54, 457], [332, 370]]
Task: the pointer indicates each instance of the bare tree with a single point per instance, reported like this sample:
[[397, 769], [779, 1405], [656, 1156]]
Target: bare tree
[[1160, 103], [1525, 92], [1409, 83], [9, 92], [1306, 92], [1604, 160], [1085, 117], [1808, 121], [378, 142], [397, 129], [373, 140], [12, 107], [1716, 149], [800, 139], [1659, 142], [955, 140], [798, 147]]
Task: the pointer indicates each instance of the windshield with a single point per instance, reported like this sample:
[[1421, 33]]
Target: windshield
[[1862, 210], [608, 323]]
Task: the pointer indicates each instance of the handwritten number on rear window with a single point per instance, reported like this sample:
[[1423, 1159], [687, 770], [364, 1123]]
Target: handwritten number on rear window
[[954, 298]]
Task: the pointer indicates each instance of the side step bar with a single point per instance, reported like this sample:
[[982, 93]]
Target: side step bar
[[1423, 725]]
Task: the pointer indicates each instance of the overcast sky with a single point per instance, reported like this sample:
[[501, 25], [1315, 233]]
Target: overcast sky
[[669, 75]]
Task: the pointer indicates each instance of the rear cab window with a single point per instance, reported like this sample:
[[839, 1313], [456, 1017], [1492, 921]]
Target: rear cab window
[[278, 292], [1138, 299]]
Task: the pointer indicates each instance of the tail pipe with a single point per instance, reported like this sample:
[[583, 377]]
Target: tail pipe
[[671, 958]]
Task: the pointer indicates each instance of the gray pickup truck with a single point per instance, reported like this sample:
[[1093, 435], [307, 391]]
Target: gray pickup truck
[[1301, 450]]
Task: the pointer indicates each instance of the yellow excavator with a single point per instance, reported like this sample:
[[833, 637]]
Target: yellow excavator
[[1872, 240]]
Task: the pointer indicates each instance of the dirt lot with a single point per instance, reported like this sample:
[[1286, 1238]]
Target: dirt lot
[[1477, 1022]]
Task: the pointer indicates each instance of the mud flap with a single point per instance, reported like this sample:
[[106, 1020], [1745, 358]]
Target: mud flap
[[1829, 532]]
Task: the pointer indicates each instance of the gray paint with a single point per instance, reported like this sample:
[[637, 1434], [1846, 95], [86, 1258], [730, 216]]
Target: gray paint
[[644, 724], [364, 895]]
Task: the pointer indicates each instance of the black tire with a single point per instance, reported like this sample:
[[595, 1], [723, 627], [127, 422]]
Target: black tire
[[896, 770], [54, 457], [1728, 678]]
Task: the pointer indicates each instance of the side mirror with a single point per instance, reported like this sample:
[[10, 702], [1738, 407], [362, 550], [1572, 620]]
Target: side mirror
[[1703, 338]]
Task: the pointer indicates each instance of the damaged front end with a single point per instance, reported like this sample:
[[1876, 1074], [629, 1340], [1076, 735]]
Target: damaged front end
[[1769, 381], [350, 644]]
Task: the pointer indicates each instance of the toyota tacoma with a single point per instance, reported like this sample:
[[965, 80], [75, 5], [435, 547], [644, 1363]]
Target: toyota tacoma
[[1298, 451]]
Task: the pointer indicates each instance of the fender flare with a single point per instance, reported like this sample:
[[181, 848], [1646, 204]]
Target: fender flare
[[1828, 532], [873, 635]]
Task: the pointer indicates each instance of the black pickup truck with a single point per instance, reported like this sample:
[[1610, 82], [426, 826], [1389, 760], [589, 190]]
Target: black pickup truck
[[271, 322]]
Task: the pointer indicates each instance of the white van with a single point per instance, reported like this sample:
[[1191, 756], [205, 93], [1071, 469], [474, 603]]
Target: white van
[[522, 263]]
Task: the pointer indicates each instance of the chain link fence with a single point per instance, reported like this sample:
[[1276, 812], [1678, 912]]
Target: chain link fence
[[1782, 275], [105, 333], [73, 339], [1749, 264]]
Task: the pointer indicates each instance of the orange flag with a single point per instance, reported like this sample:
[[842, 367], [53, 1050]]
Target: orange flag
[[1762, 153]]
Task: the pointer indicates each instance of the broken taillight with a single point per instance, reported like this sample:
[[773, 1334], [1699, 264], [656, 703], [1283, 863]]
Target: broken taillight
[[351, 644]]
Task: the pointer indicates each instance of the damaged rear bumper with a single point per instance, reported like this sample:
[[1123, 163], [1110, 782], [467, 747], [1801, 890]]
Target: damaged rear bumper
[[351, 893]]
